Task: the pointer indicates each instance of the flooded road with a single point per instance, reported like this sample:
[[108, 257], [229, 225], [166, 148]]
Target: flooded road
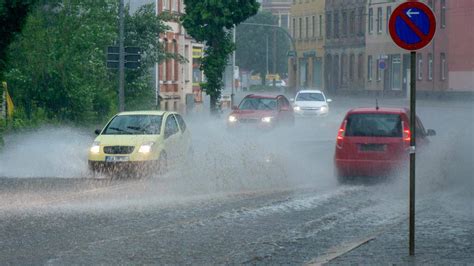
[[259, 199]]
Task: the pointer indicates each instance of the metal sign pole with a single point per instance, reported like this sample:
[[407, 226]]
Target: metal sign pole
[[121, 58], [412, 149]]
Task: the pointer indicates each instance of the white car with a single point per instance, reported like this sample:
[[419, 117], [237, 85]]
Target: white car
[[311, 103]]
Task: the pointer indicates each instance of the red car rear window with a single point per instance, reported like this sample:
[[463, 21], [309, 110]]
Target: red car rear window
[[374, 125]]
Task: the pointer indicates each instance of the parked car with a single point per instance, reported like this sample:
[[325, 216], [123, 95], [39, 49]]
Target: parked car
[[311, 103], [261, 111], [139, 142], [375, 141]]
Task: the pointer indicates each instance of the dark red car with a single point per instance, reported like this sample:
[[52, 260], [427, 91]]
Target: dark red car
[[262, 112], [375, 141]]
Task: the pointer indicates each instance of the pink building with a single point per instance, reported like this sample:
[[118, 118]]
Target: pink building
[[460, 59]]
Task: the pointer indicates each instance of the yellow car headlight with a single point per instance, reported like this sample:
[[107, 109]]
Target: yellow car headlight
[[232, 119], [95, 149], [146, 147]]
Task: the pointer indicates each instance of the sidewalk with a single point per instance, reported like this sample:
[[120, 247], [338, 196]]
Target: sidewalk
[[444, 236]]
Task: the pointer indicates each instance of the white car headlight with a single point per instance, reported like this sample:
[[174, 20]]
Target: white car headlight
[[297, 108], [267, 119], [232, 119], [95, 147], [146, 147], [324, 109]]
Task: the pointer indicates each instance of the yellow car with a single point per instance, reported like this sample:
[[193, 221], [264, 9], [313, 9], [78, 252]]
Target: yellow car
[[144, 140]]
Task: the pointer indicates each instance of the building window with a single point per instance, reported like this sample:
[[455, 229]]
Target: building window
[[314, 26], [336, 25], [396, 75], [443, 66], [419, 69], [320, 26], [167, 61], [300, 35], [443, 13], [165, 4], [352, 24], [369, 68], [361, 22], [294, 28], [328, 25], [379, 20], [186, 63], [351, 67], [371, 20], [344, 23], [174, 5], [430, 66], [360, 66], [389, 13], [284, 22], [307, 27], [430, 4], [377, 71], [175, 62]]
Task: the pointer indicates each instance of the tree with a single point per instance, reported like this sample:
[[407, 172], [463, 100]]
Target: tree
[[57, 65], [141, 30], [251, 45], [210, 21], [12, 16]]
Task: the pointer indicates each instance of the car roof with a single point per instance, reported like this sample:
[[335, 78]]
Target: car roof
[[144, 113], [261, 96], [373, 110], [310, 91]]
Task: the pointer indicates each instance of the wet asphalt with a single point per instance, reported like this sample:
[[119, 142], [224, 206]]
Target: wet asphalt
[[232, 206]]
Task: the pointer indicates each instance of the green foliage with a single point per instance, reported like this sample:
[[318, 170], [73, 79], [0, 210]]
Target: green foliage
[[209, 21], [56, 67], [251, 45], [12, 16]]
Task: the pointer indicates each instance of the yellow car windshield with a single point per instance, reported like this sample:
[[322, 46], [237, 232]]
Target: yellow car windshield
[[134, 125]]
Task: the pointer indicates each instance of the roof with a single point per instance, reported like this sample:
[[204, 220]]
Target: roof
[[385, 110], [144, 113], [310, 91], [263, 96]]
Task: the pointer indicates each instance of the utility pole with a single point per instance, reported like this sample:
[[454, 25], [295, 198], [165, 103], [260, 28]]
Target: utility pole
[[233, 70], [121, 92], [267, 55]]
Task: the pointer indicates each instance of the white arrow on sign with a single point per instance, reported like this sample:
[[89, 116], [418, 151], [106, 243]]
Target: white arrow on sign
[[409, 13]]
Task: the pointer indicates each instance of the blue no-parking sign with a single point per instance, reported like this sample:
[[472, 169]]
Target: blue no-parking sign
[[412, 25]]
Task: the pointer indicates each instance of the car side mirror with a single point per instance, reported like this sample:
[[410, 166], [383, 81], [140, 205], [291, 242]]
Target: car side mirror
[[329, 100], [97, 131], [292, 100], [234, 107], [431, 132]]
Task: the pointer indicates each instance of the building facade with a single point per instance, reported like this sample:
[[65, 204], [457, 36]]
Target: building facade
[[344, 66], [177, 84], [307, 30], [280, 9], [388, 66], [460, 55]]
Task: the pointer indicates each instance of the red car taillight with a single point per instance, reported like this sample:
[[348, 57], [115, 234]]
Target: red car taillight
[[340, 134], [406, 132]]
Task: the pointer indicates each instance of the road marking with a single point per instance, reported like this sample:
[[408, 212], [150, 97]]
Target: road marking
[[340, 250], [344, 248]]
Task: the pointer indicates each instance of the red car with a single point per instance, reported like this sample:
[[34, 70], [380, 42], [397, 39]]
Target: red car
[[261, 111], [375, 141]]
